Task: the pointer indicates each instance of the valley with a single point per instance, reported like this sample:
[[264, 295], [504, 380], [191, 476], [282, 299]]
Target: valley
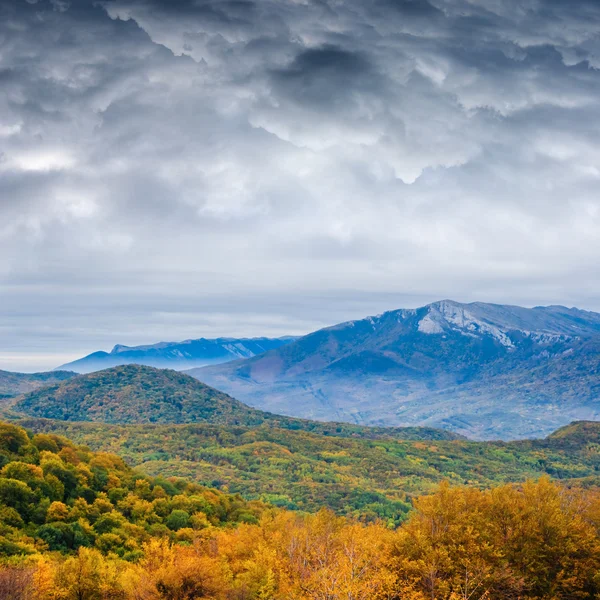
[[358, 477], [77, 524]]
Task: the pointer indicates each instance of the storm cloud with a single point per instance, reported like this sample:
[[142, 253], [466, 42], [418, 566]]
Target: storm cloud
[[199, 168]]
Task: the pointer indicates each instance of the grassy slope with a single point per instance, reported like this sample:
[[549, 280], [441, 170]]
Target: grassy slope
[[304, 470]]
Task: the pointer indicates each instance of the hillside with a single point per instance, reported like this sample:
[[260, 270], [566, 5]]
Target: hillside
[[15, 384], [141, 394], [177, 355], [364, 478], [486, 371], [60, 496]]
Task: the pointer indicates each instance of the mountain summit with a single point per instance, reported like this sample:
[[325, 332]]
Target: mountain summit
[[485, 370]]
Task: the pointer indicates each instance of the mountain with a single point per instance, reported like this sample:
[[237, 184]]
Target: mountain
[[142, 394], [484, 370], [177, 355], [14, 384]]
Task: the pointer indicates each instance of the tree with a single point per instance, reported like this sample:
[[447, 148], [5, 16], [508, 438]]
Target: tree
[[178, 519], [89, 576]]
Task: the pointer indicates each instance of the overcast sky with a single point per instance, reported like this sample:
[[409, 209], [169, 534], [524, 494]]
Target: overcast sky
[[193, 168]]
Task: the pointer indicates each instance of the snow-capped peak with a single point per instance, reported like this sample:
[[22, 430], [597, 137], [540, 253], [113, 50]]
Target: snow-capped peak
[[451, 315], [429, 324]]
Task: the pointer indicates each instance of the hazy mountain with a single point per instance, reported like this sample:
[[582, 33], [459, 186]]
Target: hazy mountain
[[177, 355], [484, 370], [142, 394], [14, 384]]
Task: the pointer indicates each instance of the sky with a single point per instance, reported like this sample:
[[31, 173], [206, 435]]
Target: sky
[[200, 168]]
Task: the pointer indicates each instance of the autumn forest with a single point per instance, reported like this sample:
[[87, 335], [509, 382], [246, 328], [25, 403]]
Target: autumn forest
[[80, 525]]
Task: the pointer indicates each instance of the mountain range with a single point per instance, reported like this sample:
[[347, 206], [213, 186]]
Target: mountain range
[[171, 424], [484, 370], [177, 355]]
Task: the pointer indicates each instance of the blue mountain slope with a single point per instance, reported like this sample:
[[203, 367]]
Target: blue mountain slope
[[484, 370]]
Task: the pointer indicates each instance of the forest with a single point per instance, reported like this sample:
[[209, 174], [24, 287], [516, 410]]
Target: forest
[[363, 478], [82, 525]]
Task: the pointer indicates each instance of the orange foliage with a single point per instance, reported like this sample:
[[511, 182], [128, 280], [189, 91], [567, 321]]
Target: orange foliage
[[537, 542]]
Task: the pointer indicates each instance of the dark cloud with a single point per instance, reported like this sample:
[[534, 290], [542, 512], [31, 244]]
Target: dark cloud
[[326, 76], [327, 61], [412, 8], [204, 167]]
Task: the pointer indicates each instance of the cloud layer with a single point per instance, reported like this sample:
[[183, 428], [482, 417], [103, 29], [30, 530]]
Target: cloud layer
[[206, 167]]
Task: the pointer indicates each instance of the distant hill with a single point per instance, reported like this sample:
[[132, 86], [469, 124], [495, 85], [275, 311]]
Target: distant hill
[[178, 355], [487, 371], [579, 433], [141, 394], [15, 384]]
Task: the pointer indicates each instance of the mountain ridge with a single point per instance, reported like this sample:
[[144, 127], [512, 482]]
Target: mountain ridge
[[178, 355]]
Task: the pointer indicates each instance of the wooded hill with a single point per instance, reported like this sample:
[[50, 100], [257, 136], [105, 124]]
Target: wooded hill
[[142, 394]]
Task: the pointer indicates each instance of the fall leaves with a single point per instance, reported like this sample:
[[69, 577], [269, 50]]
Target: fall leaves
[[536, 541]]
